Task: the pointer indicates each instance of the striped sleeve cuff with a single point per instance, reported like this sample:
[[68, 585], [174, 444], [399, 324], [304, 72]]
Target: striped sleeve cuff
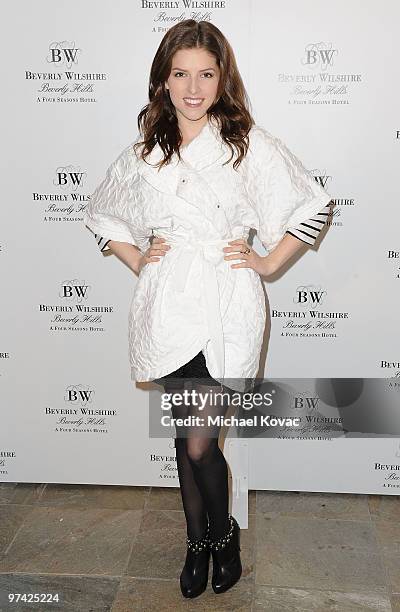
[[102, 242], [308, 231]]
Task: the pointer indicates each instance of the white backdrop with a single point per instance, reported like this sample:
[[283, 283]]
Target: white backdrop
[[324, 79]]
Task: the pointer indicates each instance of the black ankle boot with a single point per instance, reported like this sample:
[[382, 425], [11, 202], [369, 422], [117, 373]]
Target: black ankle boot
[[194, 576], [227, 566]]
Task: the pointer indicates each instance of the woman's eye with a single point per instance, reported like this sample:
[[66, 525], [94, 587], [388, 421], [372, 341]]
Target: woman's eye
[[208, 74]]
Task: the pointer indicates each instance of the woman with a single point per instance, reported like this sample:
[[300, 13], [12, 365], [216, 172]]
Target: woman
[[197, 178]]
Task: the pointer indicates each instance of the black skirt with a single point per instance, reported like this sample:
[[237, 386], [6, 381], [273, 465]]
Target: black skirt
[[195, 368]]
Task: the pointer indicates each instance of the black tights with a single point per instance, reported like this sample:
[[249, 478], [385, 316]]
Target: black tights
[[202, 469]]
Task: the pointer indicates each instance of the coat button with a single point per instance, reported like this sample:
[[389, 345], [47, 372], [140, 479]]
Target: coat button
[[183, 180], [218, 206]]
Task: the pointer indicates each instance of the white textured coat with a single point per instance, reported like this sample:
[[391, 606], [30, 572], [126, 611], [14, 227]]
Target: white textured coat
[[192, 299]]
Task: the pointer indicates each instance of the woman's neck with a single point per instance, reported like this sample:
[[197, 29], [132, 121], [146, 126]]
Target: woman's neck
[[189, 132]]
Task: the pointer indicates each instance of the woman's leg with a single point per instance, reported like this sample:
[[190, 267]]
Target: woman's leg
[[192, 500], [194, 576], [209, 467], [202, 468], [211, 474]]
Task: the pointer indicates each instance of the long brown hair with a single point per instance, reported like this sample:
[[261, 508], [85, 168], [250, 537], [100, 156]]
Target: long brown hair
[[157, 121]]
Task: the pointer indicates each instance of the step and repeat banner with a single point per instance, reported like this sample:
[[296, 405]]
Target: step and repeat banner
[[323, 79]]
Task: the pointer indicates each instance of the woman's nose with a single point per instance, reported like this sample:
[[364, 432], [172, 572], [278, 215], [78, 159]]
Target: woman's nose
[[194, 87]]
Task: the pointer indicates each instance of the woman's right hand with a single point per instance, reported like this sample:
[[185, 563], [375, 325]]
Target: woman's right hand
[[157, 249]]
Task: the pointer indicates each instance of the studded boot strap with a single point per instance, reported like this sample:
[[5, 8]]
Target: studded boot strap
[[197, 546], [222, 542]]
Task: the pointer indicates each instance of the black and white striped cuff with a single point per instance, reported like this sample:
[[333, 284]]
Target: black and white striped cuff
[[308, 230], [102, 242]]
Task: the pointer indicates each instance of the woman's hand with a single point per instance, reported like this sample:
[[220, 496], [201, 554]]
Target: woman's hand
[[156, 250], [259, 264]]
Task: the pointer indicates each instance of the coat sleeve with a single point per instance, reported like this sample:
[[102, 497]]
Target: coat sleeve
[[102, 242], [309, 230], [282, 192], [112, 212]]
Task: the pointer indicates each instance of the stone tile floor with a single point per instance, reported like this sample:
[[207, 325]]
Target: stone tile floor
[[121, 549]]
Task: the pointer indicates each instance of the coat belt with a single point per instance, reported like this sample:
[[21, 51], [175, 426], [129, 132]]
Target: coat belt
[[211, 254]]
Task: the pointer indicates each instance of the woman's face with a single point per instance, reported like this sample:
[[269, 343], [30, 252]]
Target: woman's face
[[193, 83]]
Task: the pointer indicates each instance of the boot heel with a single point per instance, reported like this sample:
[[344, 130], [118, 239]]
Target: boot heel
[[227, 566]]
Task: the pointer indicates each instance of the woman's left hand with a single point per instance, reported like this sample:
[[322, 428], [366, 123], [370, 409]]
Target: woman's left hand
[[243, 251]]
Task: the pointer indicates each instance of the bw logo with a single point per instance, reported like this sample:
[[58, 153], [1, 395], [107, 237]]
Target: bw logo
[[310, 296], [74, 290], [319, 56], [77, 394], [63, 52], [69, 178]]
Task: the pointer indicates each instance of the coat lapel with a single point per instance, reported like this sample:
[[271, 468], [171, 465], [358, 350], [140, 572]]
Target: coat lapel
[[204, 150]]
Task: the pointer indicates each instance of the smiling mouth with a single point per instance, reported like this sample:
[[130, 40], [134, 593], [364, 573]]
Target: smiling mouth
[[193, 102]]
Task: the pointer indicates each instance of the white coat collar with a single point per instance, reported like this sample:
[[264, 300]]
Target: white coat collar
[[204, 150]]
